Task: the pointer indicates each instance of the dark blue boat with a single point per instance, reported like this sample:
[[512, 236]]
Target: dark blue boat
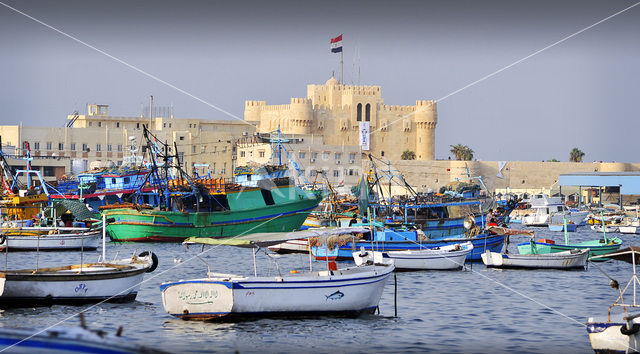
[[392, 240]]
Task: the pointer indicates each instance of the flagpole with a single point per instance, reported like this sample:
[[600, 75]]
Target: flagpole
[[341, 64]]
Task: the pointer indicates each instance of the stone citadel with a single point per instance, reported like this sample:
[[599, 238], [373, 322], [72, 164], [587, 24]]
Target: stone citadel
[[334, 112]]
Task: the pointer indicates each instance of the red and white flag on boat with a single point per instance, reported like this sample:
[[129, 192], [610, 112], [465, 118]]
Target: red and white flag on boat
[[336, 44]]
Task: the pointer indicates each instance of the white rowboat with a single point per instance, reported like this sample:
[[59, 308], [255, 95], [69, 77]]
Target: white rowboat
[[442, 258], [117, 281], [348, 291], [53, 242], [561, 260], [342, 292]]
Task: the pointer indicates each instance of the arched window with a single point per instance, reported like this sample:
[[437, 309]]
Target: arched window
[[359, 112], [367, 115]]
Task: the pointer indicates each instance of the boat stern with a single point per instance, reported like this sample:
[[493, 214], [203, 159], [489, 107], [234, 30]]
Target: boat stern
[[197, 299]]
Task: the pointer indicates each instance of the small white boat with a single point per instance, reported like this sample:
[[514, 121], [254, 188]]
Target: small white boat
[[442, 258], [619, 332], [342, 292], [561, 260], [628, 229], [607, 228], [43, 239], [547, 210], [117, 281]]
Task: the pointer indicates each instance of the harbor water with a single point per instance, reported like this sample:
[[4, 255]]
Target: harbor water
[[476, 310]]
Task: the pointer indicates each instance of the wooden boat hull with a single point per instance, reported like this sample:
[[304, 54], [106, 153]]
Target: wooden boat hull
[[168, 226], [117, 282], [595, 247], [560, 260], [56, 242], [343, 292]]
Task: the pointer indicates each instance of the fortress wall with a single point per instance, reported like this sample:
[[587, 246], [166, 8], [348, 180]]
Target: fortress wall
[[425, 175]]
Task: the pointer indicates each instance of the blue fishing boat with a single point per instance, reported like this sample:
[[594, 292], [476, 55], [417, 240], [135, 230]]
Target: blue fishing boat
[[341, 248]]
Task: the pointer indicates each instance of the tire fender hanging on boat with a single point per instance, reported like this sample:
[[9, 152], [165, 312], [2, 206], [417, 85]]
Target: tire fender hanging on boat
[[154, 260], [628, 332]]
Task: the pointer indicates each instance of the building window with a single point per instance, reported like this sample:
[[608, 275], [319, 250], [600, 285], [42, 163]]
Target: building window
[[381, 153], [49, 171], [98, 147], [169, 125], [261, 153], [36, 145], [301, 155], [367, 112], [90, 124], [164, 125], [120, 148], [336, 173], [313, 173], [359, 112], [350, 172], [137, 125], [337, 156], [73, 146], [181, 138], [48, 145], [352, 156], [109, 147], [325, 155], [85, 148], [99, 124], [60, 146], [241, 153], [314, 155], [193, 149], [117, 124]]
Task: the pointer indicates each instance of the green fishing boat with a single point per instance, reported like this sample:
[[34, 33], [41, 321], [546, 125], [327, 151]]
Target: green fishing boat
[[261, 199], [247, 210], [596, 247]]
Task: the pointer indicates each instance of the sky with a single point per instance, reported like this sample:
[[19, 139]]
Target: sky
[[580, 93]]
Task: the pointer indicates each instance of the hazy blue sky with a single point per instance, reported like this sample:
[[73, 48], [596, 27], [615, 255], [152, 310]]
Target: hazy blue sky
[[581, 93]]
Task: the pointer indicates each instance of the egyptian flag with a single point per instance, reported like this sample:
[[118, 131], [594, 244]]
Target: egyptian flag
[[336, 44]]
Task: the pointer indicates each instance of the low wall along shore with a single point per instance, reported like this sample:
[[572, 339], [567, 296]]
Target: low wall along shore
[[515, 175]]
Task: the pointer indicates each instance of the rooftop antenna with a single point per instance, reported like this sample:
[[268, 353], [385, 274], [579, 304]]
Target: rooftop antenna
[[358, 54], [150, 110]]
